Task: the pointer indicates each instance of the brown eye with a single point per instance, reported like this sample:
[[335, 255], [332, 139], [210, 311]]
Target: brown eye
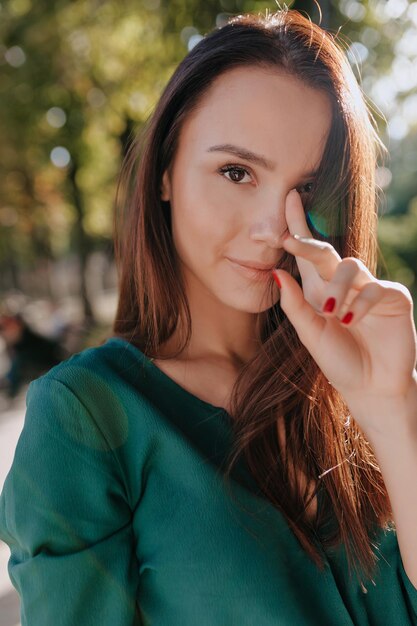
[[235, 173]]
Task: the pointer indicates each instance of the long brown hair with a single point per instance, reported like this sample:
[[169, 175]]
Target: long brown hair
[[282, 388]]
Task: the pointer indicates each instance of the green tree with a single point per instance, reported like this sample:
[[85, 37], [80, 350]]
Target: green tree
[[78, 78]]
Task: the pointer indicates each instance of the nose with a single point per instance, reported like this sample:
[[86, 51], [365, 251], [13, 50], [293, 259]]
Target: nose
[[268, 223]]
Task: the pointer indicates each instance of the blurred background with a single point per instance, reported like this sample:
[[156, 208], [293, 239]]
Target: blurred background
[[77, 79]]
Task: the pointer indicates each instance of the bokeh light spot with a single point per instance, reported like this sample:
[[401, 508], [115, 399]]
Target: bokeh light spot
[[15, 56], [357, 53], [193, 41], [56, 117], [60, 156], [383, 177], [397, 127]]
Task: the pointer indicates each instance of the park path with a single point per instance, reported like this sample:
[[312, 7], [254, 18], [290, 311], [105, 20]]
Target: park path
[[11, 423]]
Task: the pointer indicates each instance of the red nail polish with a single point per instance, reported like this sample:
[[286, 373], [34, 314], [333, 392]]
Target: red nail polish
[[329, 305], [276, 279], [347, 318]]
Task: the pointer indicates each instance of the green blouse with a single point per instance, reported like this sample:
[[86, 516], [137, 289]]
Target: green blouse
[[117, 513]]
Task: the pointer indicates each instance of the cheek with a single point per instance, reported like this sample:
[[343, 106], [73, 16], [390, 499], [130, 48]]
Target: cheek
[[212, 196], [203, 217]]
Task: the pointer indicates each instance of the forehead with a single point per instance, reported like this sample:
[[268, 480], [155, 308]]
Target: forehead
[[266, 110]]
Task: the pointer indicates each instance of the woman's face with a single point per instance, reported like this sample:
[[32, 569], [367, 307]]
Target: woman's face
[[256, 135]]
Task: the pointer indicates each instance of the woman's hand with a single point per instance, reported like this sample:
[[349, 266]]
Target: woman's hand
[[373, 356]]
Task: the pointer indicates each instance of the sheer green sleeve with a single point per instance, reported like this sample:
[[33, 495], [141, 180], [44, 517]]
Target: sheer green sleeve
[[65, 516]]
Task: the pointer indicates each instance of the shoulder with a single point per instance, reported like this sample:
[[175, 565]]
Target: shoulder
[[100, 371], [93, 394], [88, 432], [110, 361]]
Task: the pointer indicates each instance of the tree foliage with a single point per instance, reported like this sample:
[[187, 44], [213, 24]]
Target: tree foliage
[[79, 77]]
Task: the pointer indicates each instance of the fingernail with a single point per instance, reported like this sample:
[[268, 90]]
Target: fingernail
[[329, 305], [314, 242], [276, 279], [347, 318]]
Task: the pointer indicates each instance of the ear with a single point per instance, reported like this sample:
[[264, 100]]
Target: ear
[[166, 187]]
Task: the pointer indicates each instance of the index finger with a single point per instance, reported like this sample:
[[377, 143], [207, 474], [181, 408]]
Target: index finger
[[295, 216], [309, 255]]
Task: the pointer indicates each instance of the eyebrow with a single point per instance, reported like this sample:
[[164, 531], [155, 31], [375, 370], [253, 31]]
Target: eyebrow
[[248, 155]]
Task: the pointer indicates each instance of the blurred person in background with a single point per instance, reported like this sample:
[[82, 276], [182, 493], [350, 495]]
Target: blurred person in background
[[243, 449], [30, 354]]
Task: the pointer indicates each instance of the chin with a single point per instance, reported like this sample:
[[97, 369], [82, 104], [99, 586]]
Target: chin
[[258, 301]]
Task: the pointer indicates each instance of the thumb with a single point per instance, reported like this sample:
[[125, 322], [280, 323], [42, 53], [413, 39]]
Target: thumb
[[300, 312]]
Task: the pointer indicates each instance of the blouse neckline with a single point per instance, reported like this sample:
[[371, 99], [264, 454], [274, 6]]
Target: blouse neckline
[[176, 387]]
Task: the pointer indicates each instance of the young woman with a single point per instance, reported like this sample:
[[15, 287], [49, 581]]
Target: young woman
[[241, 451]]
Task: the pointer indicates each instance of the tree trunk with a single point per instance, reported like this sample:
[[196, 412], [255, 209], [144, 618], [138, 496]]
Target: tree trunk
[[81, 243]]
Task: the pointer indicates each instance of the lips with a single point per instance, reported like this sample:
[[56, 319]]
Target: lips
[[250, 272], [253, 265]]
